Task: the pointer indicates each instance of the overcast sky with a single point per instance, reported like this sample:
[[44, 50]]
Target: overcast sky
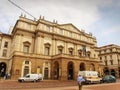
[[101, 17]]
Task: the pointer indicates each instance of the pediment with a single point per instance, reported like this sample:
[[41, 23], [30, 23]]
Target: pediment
[[26, 43], [70, 27]]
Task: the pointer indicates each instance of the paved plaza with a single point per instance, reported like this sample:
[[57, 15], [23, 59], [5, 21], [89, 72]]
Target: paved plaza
[[55, 85]]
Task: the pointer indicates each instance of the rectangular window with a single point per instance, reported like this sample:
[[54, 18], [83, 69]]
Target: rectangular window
[[4, 53], [110, 50], [71, 52], [111, 62], [105, 57], [79, 37], [106, 63], [48, 28], [46, 50], [59, 51], [118, 61], [26, 49], [110, 56], [60, 31], [70, 34], [80, 54], [100, 58], [6, 44]]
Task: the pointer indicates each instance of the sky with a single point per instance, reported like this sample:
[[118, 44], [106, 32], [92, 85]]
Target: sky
[[100, 17]]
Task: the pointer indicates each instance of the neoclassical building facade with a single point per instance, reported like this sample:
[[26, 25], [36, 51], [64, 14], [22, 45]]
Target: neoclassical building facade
[[58, 51], [5, 39], [109, 55]]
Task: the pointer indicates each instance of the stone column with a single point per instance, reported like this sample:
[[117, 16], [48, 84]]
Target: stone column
[[76, 68], [53, 46], [75, 49], [33, 44], [65, 50], [87, 66], [36, 44], [17, 42], [20, 40], [64, 70], [42, 48]]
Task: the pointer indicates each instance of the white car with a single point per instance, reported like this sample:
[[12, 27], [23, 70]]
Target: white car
[[90, 76], [31, 77]]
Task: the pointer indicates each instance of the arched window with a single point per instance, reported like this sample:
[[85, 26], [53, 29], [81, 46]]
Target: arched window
[[92, 67], [82, 67], [26, 67], [26, 62]]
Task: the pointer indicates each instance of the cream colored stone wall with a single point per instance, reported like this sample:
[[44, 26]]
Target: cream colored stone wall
[[3, 40]]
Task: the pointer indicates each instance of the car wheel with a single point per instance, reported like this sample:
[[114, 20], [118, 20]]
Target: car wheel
[[34, 80], [22, 80]]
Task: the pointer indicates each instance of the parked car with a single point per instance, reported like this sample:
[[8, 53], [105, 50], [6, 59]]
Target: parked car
[[108, 79], [31, 77]]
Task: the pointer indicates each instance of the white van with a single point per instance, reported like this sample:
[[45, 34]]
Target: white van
[[31, 77], [90, 76]]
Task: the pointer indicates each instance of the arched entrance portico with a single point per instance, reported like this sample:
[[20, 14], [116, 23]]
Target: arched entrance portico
[[92, 67], [26, 67], [106, 72], [119, 71], [70, 71], [82, 67], [113, 72], [2, 69], [56, 70]]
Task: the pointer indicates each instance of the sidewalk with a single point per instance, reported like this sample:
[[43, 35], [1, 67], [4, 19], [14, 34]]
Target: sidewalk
[[59, 88]]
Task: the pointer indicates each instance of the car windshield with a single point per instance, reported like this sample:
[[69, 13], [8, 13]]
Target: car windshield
[[27, 76], [112, 76], [108, 76]]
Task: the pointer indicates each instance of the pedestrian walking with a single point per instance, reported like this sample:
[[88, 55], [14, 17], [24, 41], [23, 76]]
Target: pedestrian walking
[[80, 81], [6, 76]]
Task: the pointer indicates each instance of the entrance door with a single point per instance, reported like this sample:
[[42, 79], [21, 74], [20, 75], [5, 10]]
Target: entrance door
[[70, 71], [26, 70], [2, 69], [46, 73], [113, 72], [106, 72], [56, 70]]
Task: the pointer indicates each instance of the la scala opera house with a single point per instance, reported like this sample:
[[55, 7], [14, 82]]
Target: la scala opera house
[[57, 51]]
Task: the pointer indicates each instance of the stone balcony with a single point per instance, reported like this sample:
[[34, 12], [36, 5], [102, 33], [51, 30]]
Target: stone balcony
[[75, 57]]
